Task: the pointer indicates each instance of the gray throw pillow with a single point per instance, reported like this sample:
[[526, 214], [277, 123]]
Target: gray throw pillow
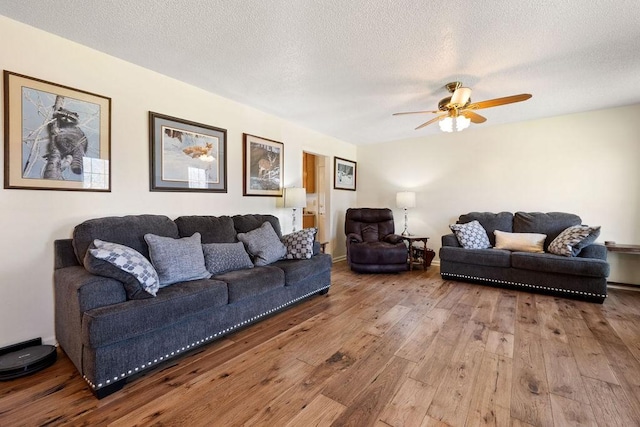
[[124, 264], [299, 244], [471, 235], [223, 257], [177, 260], [263, 244], [571, 241]]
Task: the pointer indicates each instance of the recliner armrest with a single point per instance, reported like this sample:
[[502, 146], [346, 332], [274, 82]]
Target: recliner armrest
[[450, 240], [393, 238], [354, 238]]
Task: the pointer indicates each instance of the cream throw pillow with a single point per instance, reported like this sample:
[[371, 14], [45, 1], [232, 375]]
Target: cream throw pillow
[[523, 242]]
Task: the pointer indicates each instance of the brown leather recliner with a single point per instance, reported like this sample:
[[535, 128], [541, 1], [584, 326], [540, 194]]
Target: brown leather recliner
[[372, 245]]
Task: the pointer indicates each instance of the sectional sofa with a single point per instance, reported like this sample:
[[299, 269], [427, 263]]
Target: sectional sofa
[[109, 322]]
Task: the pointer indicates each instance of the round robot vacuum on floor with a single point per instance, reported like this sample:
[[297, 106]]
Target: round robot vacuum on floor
[[26, 361]]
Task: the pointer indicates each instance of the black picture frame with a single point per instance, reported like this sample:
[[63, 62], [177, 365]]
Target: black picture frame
[[344, 174], [262, 166]]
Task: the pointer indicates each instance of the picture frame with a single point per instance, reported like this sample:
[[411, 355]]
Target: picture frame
[[55, 137], [344, 174], [186, 156], [263, 166]]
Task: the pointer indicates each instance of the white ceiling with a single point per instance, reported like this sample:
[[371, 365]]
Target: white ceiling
[[342, 67]]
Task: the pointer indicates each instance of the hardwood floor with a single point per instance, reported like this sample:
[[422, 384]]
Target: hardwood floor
[[380, 350]]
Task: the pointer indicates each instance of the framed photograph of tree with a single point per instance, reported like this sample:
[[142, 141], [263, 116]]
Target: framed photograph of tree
[[55, 137], [263, 166], [344, 174], [187, 156]]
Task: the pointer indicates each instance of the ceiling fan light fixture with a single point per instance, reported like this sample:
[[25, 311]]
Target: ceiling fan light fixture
[[454, 124], [461, 96], [462, 123], [446, 124]]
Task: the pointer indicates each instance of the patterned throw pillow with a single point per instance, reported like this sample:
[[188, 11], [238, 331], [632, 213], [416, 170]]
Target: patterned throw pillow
[[300, 243], [571, 241], [177, 260], [471, 235], [263, 244], [223, 257], [125, 264]]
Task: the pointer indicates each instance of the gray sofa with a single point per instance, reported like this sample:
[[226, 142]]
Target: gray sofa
[[111, 337], [581, 277]]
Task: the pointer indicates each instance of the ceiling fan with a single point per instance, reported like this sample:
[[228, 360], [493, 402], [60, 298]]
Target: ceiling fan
[[456, 112]]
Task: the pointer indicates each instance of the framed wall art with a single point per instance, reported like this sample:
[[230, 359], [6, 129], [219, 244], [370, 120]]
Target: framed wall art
[[344, 174], [263, 166], [186, 156], [56, 137]]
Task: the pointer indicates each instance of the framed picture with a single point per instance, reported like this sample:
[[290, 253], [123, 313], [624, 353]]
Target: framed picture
[[263, 166], [344, 174], [187, 156], [56, 137]]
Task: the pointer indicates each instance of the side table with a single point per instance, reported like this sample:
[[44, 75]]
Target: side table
[[413, 251]]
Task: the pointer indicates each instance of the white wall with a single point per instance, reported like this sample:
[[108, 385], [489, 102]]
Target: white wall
[[587, 163], [32, 220]]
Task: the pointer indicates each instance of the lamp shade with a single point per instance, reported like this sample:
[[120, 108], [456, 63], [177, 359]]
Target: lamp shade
[[295, 197], [406, 199]]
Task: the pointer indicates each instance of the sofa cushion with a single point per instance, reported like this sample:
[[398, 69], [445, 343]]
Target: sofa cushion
[[551, 224], [471, 235], [126, 230], [378, 253], [299, 244], [118, 322], [296, 271], [573, 239], [490, 221], [263, 244], [251, 282], [177, 260], [524, 242], [222, 257], [212, 229], [488, 257], [551, 263], [124, 264]]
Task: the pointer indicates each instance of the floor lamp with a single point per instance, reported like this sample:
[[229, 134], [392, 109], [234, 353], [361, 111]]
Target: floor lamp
[[406, 200], [295, 197]]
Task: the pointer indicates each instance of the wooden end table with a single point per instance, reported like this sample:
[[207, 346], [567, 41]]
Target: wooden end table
[[413, 259]]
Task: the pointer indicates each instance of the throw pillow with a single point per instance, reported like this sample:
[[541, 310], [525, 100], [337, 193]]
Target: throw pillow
[[523, 242], [223, 257], [177, 260], [471, 235], [124, 264], [263, 244], [571, 241], [299, 244]]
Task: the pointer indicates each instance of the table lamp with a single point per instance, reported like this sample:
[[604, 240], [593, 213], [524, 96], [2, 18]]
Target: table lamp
[[406, 200], [295, 197]]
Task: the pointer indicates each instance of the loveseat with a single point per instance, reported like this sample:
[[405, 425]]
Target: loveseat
[[109, 322], [520, 254]]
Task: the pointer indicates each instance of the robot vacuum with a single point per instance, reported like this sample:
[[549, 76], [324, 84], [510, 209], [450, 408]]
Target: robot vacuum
[[26, 358]]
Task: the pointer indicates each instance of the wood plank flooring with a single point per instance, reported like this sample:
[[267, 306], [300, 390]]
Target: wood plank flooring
[[380, 350]]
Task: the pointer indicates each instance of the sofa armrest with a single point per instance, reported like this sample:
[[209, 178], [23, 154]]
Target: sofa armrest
[[393, 238], [354, 238], [594, 251], [89, 290], [450, 240]]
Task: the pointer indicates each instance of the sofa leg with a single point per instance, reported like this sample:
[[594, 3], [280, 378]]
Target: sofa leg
[[111, 388], [323, 292]]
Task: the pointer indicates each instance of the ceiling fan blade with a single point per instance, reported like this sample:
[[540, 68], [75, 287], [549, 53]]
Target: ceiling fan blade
[[474, 117], [415, 112], [435, 119], [498, 101]]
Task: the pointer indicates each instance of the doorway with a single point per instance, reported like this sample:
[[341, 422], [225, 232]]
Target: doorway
[[316, 180]]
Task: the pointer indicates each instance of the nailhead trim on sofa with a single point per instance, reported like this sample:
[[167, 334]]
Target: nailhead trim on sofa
[[524, 285]]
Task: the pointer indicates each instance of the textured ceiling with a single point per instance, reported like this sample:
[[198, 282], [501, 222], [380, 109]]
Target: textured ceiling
[[342, 67]]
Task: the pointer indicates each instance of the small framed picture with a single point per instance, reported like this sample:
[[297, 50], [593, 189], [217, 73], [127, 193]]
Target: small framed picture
[[344, 174], [263, 166], [56, 137], [186, 156]]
